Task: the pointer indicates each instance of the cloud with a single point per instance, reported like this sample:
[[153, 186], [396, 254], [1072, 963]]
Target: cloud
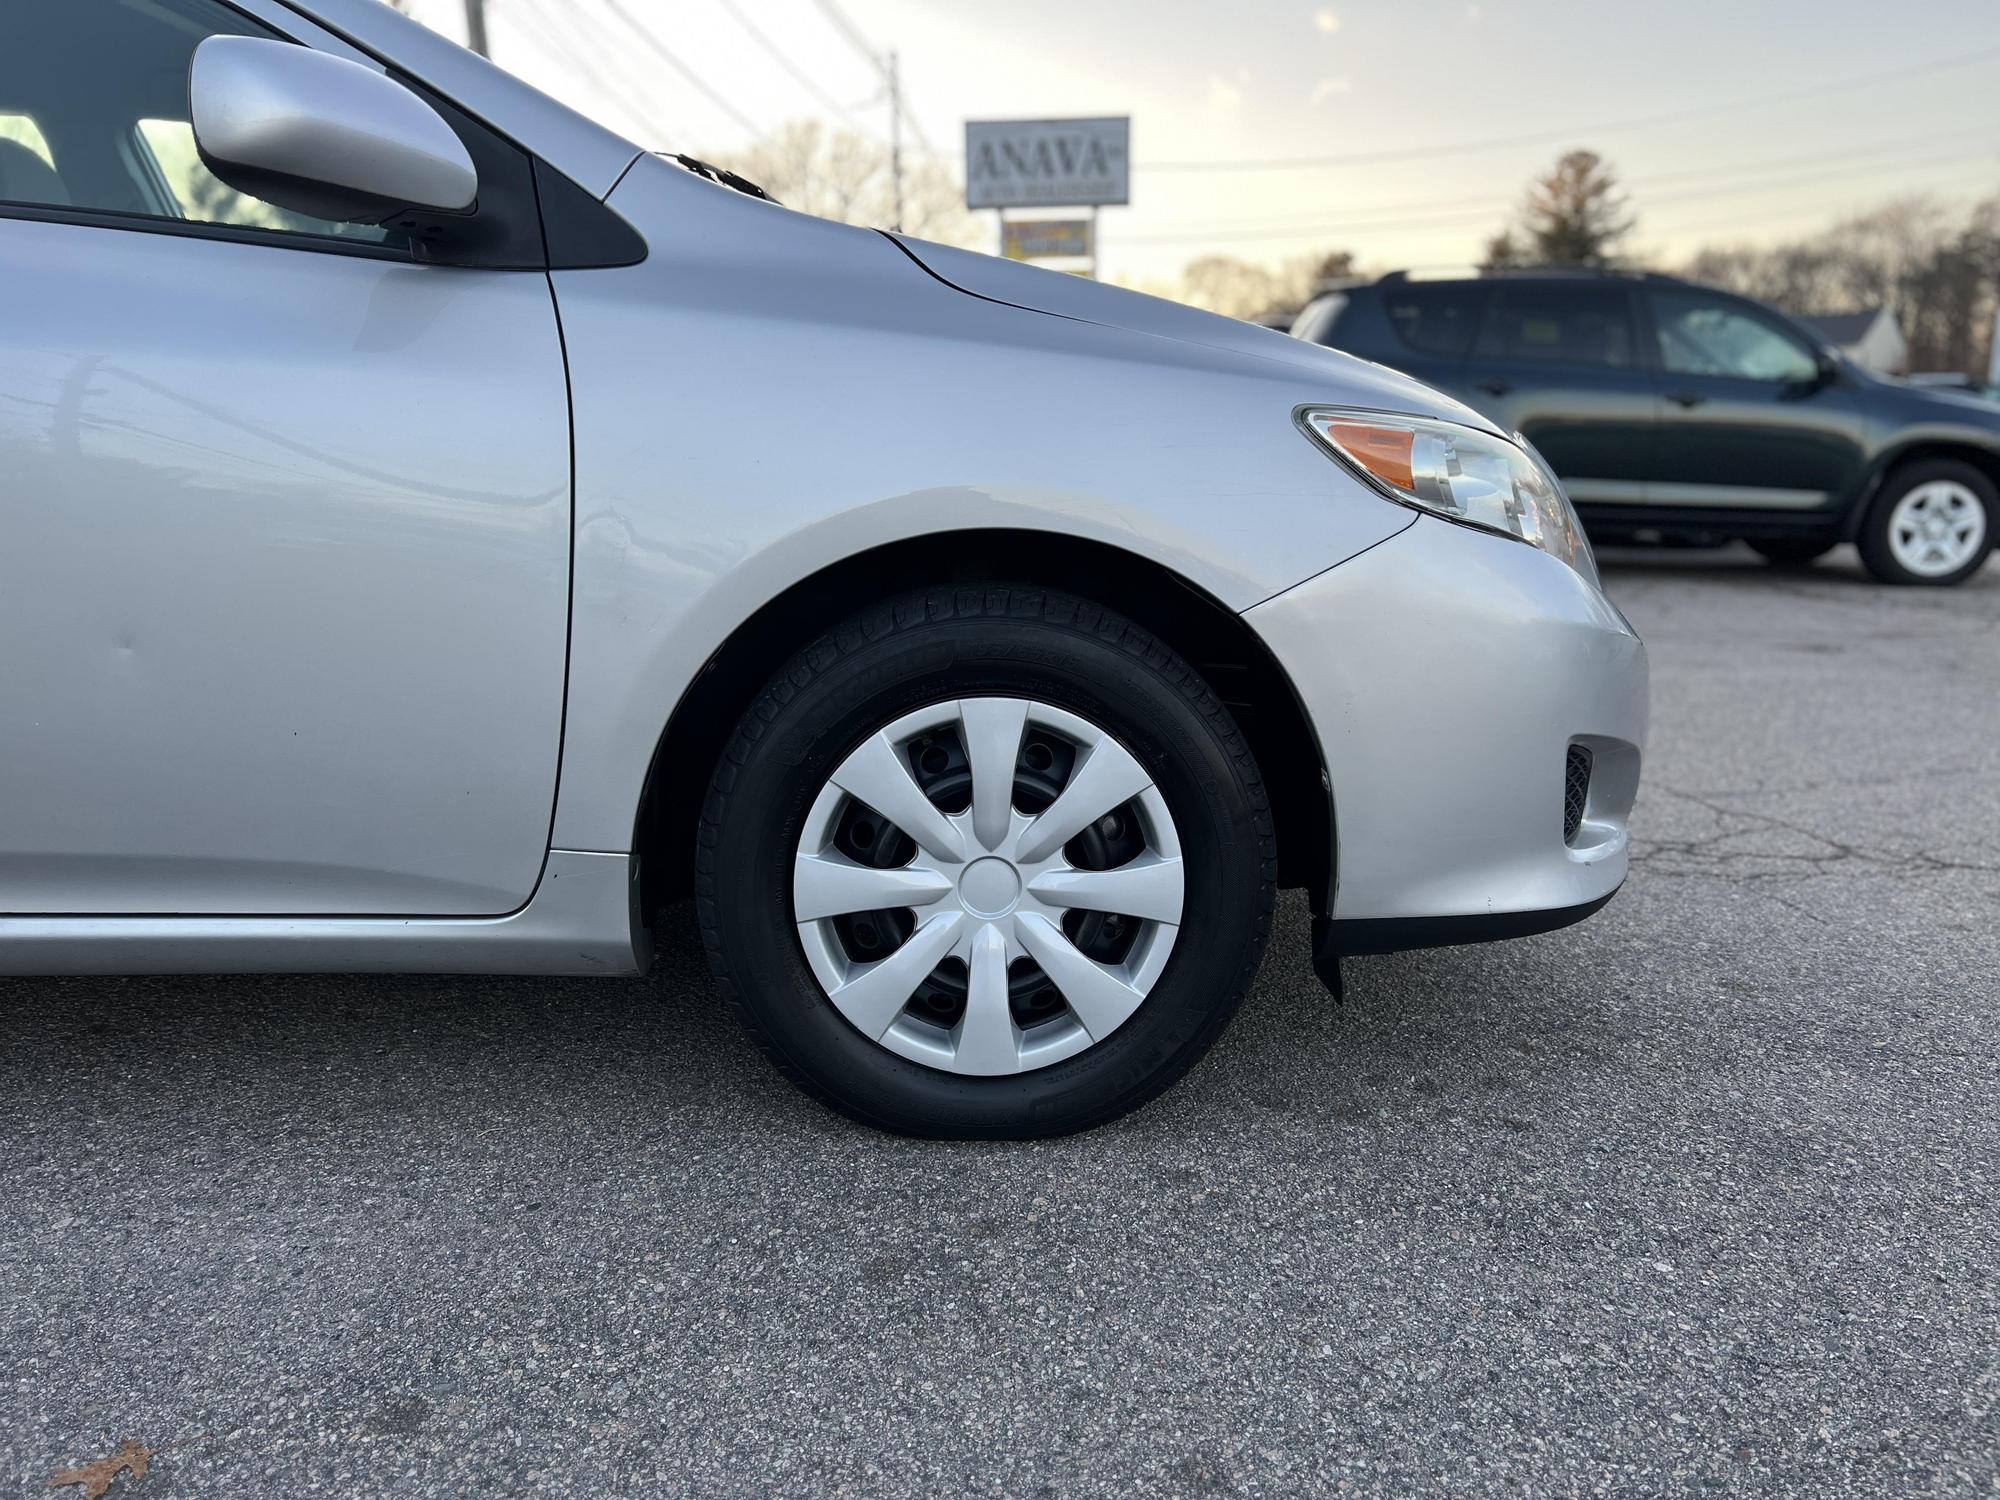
[[1328, 88], [1225, 94], [1325, 20], [1474, 11]]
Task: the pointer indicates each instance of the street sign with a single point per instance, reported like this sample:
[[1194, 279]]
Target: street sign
[[1044, 239], [1048, 163]]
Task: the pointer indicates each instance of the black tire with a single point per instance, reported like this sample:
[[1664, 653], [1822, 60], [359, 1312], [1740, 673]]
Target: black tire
[[1877, 552], [1791, 552], [1011, 642]]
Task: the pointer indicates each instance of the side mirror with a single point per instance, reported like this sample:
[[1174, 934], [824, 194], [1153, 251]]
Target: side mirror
[[321, 135], [1829, 370]]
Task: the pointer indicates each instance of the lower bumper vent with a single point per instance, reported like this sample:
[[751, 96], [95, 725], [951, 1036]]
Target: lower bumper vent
[[1576, 790]]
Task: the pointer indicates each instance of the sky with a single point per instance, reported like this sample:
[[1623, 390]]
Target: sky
[[1727, 121]]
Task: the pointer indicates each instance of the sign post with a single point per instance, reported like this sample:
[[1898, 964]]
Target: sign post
[[1048, 164]]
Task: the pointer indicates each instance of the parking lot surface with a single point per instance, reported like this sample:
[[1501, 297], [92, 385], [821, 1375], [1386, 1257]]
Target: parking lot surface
[[1695, 1198]]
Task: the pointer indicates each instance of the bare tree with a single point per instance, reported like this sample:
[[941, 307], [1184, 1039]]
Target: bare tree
[[1940, 275], [1335, 265], [1502, 251], [844, 175], [1242, 289]]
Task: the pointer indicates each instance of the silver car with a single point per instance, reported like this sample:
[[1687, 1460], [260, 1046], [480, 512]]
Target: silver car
[[434, 532]]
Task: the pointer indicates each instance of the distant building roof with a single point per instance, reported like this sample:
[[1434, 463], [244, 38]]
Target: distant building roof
[[1844, 328]]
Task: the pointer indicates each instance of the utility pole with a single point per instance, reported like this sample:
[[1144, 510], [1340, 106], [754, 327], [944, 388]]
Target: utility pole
[[896, 134], [475, 26]]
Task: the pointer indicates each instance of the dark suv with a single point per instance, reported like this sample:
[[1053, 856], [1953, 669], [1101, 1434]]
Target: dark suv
[[1674, 412]]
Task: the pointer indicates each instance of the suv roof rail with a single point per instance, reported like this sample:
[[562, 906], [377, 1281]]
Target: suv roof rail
[[1490, 273]]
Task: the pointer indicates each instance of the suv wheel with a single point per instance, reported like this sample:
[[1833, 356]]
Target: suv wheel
[[1791, 552], [1932, 523], [986, 863]]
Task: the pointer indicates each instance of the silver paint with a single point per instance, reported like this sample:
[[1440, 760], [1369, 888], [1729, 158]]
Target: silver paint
[[1446, 673], [584, 919], [289, 534], [285, 572], [578, 147], [280, 108], [770, 393]]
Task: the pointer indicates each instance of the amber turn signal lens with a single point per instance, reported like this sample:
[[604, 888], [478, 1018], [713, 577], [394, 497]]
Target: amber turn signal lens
[[1384, 452]]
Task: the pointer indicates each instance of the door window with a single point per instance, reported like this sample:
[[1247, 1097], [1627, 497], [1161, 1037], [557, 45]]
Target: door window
[[1703, 335], [1561, 323], [101, 90], [1436, 319]]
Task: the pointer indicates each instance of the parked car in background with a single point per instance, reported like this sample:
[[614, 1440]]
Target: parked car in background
[[1680, 413], [437, 531]]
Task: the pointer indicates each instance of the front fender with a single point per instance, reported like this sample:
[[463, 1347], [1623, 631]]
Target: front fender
[[769, 394]]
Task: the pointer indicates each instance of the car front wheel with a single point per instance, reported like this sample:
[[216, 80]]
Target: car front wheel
[[986, 863], [1932, 523]]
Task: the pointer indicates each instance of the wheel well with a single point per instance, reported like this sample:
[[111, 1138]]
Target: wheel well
[[1215, 640], [1986, 460]]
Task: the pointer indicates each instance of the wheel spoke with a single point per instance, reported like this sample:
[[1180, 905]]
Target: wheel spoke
[[832, 885], [1148, 887], [1099, 997], [875, 993], [1108, 778], [880, 777], [992, 731], [987, 1043]]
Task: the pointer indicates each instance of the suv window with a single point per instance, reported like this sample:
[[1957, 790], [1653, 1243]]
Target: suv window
[[1434, 319], [1565, 323], [104, 87], [1315, 321], [1704, 335]]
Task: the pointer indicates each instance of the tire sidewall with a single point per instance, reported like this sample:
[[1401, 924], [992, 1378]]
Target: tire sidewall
[[828, 712]]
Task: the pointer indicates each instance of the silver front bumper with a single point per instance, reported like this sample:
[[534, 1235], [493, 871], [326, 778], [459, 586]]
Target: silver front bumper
[[1446, 673]]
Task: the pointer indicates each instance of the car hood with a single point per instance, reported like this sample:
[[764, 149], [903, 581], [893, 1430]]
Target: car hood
[[1895, 401], [1348, 380]]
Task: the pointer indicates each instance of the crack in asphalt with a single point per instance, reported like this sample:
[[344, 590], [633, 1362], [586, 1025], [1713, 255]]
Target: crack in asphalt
[[1708, 858]]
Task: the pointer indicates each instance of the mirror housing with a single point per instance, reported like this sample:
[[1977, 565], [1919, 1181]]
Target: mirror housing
[[320, 135]]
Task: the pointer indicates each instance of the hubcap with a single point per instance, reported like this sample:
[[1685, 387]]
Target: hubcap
[[988, 885], [1937, 528]]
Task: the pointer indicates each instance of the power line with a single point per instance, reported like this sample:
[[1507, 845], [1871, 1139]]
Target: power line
[[700, 84], [1793, 216], [1417, 221], [892, 78], [804, 79], [858, 40], [853, 34], [1710, 226], [1568, 133], [552, 34]]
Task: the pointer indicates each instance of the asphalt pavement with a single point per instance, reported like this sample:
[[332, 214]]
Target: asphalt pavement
[[1695, 1198]]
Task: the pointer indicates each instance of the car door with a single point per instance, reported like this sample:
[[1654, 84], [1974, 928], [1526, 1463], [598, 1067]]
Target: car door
[[1558, 361], [1750, 418], [283, 517]]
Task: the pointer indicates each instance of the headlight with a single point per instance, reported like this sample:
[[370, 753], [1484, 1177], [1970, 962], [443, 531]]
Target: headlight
[[1460, 473]]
